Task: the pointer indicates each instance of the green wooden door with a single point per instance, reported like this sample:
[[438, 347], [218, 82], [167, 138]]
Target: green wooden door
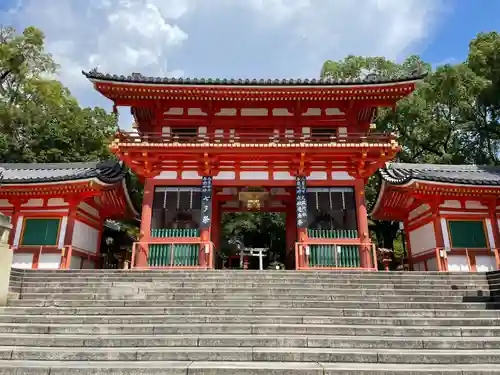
[[467, 234], [39, 232]]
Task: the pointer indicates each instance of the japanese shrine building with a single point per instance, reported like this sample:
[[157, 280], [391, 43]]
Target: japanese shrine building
[[58, 210], [204, 147], [450, 214]]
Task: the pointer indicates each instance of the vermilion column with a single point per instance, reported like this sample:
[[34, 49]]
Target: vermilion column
[[362, 216], [496, 231], [141, 256]]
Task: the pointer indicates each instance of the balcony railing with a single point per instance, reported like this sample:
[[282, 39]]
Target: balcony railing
[[259, 138], [332, 254], [180, 254]]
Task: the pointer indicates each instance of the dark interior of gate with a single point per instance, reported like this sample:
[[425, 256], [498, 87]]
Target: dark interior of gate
[[254, 227]]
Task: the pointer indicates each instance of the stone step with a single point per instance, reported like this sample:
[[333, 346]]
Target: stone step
[[256, 290], [264, 354], [85, 288], [258, 278], [237, 341], [154, 296], [77, 282], [105, 311], [235, 368], [245, 328], [247, 319], [294, 303]]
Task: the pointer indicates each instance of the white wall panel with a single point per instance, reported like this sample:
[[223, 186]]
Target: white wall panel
[[485, 263], [85, 237], [22, 260], [458, 263], [422, 239], [49, 261]]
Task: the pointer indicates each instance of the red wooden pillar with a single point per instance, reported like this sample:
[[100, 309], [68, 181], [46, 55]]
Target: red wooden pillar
[[141, 257], [68, 236], [438, 230], [362, 216], [496, 231], [408, 245], [216, 227]]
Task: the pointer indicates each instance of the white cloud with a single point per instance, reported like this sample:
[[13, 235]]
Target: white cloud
[[259, 38]]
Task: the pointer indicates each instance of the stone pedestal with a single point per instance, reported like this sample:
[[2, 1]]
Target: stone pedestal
[[5, 258]]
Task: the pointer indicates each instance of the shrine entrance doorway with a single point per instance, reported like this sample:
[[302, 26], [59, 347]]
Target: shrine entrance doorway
[[254, 228]]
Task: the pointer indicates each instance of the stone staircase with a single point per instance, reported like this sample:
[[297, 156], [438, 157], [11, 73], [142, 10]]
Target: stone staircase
[[248, 322]]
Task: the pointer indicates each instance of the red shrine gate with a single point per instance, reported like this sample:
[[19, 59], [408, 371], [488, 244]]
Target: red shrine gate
[[199, 146]]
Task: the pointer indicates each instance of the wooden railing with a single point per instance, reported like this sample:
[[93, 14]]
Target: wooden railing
[[254, 138], [333, 254], [188, 253]]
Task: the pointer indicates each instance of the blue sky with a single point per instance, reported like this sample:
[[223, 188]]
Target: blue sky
[[243, 38]]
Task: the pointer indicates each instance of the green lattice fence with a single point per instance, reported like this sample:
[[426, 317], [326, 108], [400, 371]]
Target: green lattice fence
[[180, 255], [346, 256], [334, 234]]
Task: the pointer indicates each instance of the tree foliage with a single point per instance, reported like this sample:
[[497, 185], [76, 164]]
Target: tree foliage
[[452, 118], [40, 121]]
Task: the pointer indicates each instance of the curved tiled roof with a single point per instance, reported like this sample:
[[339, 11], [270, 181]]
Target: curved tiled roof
[[139, 78], [402, 173], [109, 172]]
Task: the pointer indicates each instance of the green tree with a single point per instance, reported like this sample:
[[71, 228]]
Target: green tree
[[439, 123], [40, 121]]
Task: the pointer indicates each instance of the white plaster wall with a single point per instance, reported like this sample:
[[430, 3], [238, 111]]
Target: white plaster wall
[[485, 263], [419, 266], [167, 175], [341, 175], [489, 232], [49, 261], [317, 176], [88, 264], [190, 175], [18, 228], [451, 204], [88, 209], [225, 175], [85, 237], [422, 239], [475, 205], [22, 261], [62, 231], [419, 210], [255, 175], [432, 264], [75, 263], [458, 263], [57, 202], [33, 203], [283, 176], [446, 234], [5, 203]]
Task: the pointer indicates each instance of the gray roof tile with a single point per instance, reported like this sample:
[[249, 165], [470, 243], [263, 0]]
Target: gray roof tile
[[402, 173], [139, 78], [15, 173]]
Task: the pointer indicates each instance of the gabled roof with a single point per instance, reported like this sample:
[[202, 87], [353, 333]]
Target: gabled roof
[[139, 78], [108, 172], [403, 173]]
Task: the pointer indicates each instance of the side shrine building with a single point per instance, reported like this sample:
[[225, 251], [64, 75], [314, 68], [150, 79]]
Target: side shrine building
[[58, 211], [450, 214], [206, 147]]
